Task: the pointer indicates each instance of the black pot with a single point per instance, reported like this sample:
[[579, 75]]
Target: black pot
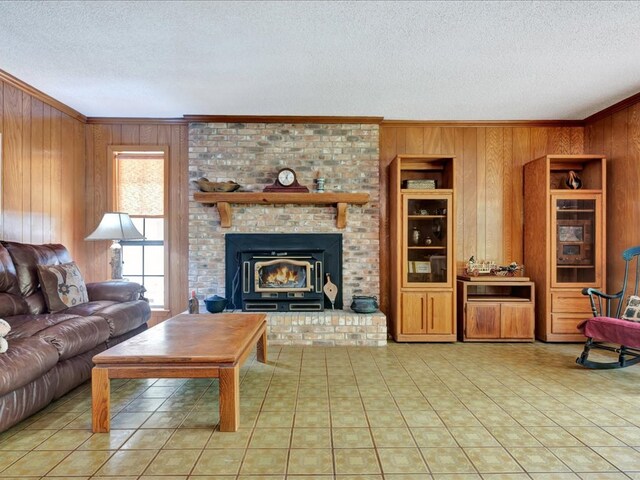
[[215, 304], [364, 304]]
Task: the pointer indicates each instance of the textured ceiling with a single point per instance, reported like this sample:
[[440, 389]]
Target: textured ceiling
[[401, 60]]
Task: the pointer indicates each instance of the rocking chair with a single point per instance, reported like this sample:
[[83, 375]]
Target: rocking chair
[[607, 331]]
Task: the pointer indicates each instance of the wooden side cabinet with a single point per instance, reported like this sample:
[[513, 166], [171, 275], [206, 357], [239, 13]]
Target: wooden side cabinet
[[496, 310]]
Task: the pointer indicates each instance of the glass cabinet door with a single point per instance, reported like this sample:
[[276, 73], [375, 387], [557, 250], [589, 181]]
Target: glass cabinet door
[[575, 225], [426, 240]]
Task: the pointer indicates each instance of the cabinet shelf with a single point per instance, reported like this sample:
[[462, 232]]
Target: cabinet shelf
[[422, 191], [575, 266], [223, 200], [496, 299], [430, 247], [562, 191], [421, 217], [582, 210]]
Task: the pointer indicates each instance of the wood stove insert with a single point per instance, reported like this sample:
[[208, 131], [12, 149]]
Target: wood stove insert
[[282, 272]]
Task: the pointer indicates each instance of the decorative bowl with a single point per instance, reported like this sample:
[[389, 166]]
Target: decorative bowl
[[215, 304], [206, 186]]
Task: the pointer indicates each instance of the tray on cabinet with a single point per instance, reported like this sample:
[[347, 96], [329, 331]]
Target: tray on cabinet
[[492, 278]]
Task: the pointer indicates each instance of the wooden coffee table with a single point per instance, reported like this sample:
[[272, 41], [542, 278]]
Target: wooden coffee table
[[186, 346]]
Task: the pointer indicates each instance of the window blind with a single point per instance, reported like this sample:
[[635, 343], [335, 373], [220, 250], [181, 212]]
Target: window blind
[[140, 184]]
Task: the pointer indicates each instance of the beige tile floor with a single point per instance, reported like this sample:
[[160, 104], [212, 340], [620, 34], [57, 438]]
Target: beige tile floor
[[454, 411]]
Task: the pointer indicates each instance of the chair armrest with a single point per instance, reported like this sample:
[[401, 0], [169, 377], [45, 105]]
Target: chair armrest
[[601, 302], [598, 293], [116, 291]]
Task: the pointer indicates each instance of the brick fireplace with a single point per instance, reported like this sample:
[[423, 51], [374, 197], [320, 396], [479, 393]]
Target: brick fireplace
[[251, 154]]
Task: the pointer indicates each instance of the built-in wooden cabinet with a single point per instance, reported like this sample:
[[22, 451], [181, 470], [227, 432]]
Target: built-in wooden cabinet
[[564, 239], [496, 310], [426, 313], [422, 248]]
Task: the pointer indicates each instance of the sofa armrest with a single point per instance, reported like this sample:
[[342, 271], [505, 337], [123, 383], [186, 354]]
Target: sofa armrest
[[116, 291]]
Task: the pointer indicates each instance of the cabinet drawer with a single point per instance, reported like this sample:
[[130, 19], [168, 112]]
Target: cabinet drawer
[[567, 324], [570, 302]]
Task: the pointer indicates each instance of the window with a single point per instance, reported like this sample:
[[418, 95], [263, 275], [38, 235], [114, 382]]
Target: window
[[139, 191]]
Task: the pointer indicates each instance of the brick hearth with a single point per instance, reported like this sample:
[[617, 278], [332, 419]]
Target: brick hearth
[[328, 328]]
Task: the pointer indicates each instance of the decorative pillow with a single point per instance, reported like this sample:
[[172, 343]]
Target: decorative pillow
[[4, 346], [4, 328], [632, 312], [62, 285]]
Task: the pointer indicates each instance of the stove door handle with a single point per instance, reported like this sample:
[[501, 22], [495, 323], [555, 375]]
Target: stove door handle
[[319, 277], [246, 276]]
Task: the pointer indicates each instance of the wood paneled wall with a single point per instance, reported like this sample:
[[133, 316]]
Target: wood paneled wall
[[113, 132], [43, 160], [617, 136], [489, 183]]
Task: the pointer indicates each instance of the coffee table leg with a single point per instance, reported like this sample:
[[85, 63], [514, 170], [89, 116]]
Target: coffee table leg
[[229, 398], [100, 397], [261, 352]]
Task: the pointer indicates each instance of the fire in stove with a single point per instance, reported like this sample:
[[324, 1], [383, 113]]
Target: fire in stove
[[281, 276]]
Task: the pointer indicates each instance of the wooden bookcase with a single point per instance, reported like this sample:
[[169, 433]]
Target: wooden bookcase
[[564, 240], [496, 309], [422, 248]]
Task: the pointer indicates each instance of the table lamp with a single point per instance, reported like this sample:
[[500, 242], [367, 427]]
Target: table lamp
[[116, 226]]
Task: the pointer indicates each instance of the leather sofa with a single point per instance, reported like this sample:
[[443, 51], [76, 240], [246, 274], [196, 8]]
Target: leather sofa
[[50, 353]]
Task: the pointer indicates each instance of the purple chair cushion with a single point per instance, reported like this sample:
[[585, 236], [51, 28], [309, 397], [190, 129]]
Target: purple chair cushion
[[612, 330]]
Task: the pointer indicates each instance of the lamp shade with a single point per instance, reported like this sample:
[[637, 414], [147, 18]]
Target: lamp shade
[[115, 226]]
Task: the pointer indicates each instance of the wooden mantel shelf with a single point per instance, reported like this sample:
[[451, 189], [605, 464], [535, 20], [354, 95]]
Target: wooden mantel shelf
[[223, 201]]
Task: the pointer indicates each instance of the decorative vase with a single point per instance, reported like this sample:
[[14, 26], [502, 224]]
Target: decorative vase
[[573, 181], [415, 236]]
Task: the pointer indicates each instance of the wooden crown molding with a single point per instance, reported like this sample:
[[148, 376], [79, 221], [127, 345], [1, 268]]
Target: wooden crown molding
[[616, 107], [43, 97], [279, 119], [135, 121], [482, 123]]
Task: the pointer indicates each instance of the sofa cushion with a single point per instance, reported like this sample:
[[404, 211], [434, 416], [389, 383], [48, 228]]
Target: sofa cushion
[[62, 285], [26, 360], [26, 257], [36, 303], [113, 341], [12, 305], [124, 317], [29, 325], [115, 290], [89, 308], [28, 399], [76, 335], [8, 275], [74, 371]]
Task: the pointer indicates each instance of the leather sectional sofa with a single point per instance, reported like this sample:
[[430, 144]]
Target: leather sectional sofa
[[50, 353]]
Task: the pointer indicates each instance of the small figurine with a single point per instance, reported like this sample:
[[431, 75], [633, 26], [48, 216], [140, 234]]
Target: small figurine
[[573, 181]]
